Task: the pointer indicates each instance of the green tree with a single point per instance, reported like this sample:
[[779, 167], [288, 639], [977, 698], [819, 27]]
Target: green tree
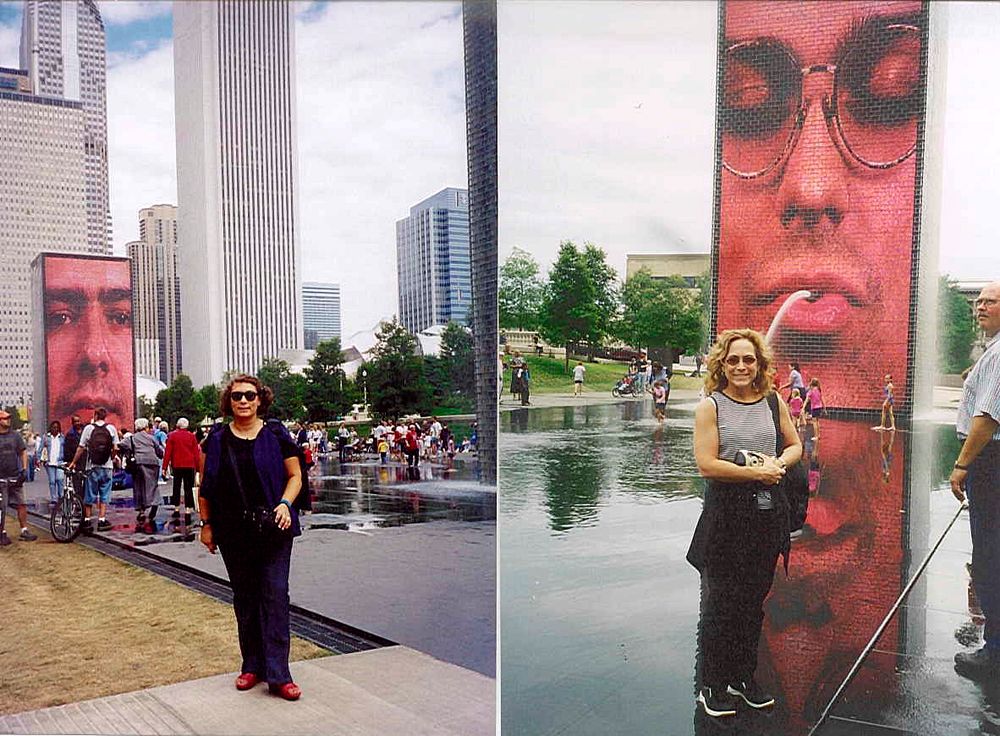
[[580, 300], [15, 418], [956, 328], [147, 408], [451, 374], [396, 381], [177, 400], [704, 285], [207, 402], [519, 297], [289, 389], [660, 313], [325, 396]]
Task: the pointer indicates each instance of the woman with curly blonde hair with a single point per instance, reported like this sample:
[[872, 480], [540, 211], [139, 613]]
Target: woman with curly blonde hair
[[744, 438]]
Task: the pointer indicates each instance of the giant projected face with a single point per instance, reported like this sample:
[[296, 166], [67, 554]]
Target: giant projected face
[[819, 117], [88, 338]]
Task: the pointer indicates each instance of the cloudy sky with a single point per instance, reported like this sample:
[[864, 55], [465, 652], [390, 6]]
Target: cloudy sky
[[606, 120], [381, 126]]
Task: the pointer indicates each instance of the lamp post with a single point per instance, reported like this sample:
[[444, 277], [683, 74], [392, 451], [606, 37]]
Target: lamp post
[[364, 383]]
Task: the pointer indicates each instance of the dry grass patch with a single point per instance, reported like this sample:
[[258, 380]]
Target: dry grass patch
[[79, 625]]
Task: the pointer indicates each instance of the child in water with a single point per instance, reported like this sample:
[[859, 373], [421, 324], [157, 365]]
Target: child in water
[[795, 407]]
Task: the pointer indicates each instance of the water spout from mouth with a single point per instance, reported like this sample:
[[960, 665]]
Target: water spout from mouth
[[792, 298]]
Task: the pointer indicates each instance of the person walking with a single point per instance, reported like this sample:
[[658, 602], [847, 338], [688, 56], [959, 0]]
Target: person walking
[[578, 373], [744, 524], [794, 381], [145, 448], [814, 405], [659, 401], [52, 456], [888, 399], [976, 475], [249, 503], [181, 457], [99, 442], [525, 384], [14, 464]]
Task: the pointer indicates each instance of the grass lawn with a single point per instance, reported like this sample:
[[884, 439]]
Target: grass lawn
[[548, 377], [78, 625]]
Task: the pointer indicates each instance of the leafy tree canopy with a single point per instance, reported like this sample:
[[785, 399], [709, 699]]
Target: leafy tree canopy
[[660, 313], [519, 295], [956, 328], [289, 389], [325, 396], [177, 400]]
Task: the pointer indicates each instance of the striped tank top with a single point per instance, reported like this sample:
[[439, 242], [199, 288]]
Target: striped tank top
[[744, 426]]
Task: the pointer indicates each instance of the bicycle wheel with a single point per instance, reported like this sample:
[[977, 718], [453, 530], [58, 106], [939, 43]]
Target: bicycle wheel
[[615, 392], [66, 518]]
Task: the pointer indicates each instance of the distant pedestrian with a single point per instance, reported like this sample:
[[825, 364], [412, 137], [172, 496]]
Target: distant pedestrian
[[659, 401], [343, 439], [14, 465], [181, 457], [52, 456], [578, 374], [524, 381], [814, 405], [794, 380], [697, 365], [888, 420], [145, 448], [795, 407]]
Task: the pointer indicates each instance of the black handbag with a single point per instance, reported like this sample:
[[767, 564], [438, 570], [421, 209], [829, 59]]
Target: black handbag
[[796, 479], [260, 520]]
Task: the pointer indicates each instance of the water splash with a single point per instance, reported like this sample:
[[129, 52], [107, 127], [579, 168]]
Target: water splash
[[792, 298]]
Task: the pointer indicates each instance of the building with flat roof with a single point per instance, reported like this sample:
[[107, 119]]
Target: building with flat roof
[[320, 312], [689, 266], [433, 261], [234, 85], [156, 289], [43, 185]]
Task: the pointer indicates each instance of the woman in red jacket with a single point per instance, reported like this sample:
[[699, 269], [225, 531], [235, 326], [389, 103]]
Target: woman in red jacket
[[182, 455]]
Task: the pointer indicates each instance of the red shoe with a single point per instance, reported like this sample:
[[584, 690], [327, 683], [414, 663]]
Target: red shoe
[[288, 690], [246, 680]]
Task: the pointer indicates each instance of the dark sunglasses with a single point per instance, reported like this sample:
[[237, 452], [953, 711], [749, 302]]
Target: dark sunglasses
[[240, 395]]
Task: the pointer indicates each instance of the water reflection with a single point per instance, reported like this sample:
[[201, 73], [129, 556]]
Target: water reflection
[[598, 506]]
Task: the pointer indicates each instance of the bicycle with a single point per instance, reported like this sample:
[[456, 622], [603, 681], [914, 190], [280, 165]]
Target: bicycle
[[66, 518]]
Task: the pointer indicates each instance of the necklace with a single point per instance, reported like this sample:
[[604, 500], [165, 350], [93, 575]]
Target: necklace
[[246, 433]]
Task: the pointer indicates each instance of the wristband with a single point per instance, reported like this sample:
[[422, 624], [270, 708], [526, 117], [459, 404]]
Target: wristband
[[287, 503], [961, 467]]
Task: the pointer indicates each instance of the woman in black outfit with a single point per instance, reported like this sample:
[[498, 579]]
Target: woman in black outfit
[[744, 524], [250, 465]]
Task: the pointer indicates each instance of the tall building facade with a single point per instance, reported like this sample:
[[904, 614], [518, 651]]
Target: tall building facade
[[432, 261], [234, 96], [320, 312], [42, 207], [156, 286], [479, 20], [63, 51]]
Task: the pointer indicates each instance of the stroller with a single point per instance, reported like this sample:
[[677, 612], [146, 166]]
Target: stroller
[[626, 386]]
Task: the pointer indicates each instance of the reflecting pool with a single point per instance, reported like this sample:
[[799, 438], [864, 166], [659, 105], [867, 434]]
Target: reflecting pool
[[599, 609]]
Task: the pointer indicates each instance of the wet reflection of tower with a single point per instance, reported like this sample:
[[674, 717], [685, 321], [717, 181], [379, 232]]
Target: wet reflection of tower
[[480, 24]]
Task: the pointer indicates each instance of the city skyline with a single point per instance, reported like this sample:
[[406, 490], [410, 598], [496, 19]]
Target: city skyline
[[358, 167]]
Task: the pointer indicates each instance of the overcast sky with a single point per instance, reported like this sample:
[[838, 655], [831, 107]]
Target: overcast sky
[[606, 120], [381, 126]]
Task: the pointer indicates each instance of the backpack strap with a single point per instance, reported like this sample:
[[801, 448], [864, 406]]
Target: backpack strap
[[772, 402]]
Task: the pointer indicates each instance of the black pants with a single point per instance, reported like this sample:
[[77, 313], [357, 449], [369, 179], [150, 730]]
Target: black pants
[[185, 476], [732, 613], [259, 578]]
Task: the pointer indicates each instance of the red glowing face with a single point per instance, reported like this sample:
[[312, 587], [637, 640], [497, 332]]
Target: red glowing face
[[88, 339], [819, 119]]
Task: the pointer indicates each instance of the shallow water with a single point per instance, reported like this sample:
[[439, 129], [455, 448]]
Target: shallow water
[[599, 610]]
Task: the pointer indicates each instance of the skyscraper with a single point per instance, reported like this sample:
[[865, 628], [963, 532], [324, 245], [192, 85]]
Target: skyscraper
[[42, 207], [320, 312], [479, 20], [234, 85], [432, 261], [156, 291], [63, 51]]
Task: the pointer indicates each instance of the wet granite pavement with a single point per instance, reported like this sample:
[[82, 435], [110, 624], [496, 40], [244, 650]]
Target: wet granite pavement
[[411, 559], [600, 611]]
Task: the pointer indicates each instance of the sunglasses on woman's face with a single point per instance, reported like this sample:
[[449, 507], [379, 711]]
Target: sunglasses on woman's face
[[240, 395], [734, 360]]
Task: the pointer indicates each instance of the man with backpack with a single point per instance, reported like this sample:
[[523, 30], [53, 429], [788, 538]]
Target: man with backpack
[[99, 440]]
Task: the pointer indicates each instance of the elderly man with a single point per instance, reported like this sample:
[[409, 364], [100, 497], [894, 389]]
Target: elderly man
[[977, 474]]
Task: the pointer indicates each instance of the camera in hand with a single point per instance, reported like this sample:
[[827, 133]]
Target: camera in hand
[[751, 459]]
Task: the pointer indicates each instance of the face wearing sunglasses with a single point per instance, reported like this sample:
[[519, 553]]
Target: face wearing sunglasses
[[240, 395], [875, 99], [734, 360]]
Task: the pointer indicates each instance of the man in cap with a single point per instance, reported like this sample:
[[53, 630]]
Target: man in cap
[[14, 465]]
